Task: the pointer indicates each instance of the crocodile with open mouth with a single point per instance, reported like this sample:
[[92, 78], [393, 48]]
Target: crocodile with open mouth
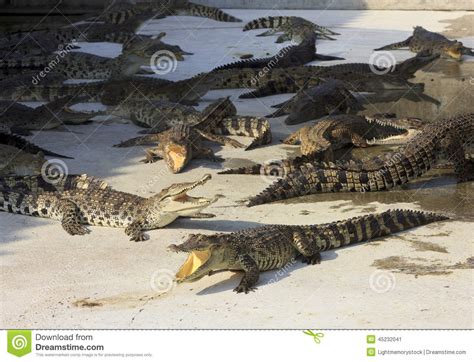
[[450, 138], [293, 28], [427, 42], [274, 246], [319, 141], [108, 207]]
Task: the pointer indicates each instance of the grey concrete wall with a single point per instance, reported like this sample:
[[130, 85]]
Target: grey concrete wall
[[280, 4], [344, 4]]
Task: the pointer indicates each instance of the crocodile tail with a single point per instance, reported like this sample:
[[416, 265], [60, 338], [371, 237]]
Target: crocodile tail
[[210, 12], [38, 183], [21, 143], [310, 179], [267, 22], [246, 63], [27, 62], [368, 227], [277, 168], [397, 45], [256, 127]]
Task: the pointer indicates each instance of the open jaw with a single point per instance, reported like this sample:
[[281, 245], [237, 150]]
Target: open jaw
[[180, 201], [195, 266]]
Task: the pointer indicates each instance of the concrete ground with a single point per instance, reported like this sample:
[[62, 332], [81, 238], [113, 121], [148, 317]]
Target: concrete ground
[[421, 278]]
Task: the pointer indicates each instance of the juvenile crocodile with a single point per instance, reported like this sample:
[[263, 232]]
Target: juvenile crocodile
[[319, 141], [114, 91], [290, 56], [275, 246], [146, 48], [329, 97], [447, 138], [20, 119], [183, 141], [53, 182], [107, 207], [42, 42], [358, 77], [77, 65], [293, 28], [159, 116], [424, 41]]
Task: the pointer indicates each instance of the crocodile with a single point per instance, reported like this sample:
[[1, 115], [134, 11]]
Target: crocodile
[[293, 28], [77, 65], [119, 13], [182, 142], [23, 144], [424, 41], [146, 48], [60, 182], [318, 142], [358, 77], [329, 97], [449, 138], [20, 119], [275, 246], [159, 116], [43, 42], [112, 91], [14, 161], [290, 56], [108, 207]]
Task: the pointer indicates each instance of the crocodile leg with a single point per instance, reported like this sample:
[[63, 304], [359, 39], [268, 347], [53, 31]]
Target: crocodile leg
[[282, 38], [455, 152], [152, 155], [398, 45], [268, 32], [293, 139], [208, 153], [70, 220], [251, 276], [135, 231], [306, 247]]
